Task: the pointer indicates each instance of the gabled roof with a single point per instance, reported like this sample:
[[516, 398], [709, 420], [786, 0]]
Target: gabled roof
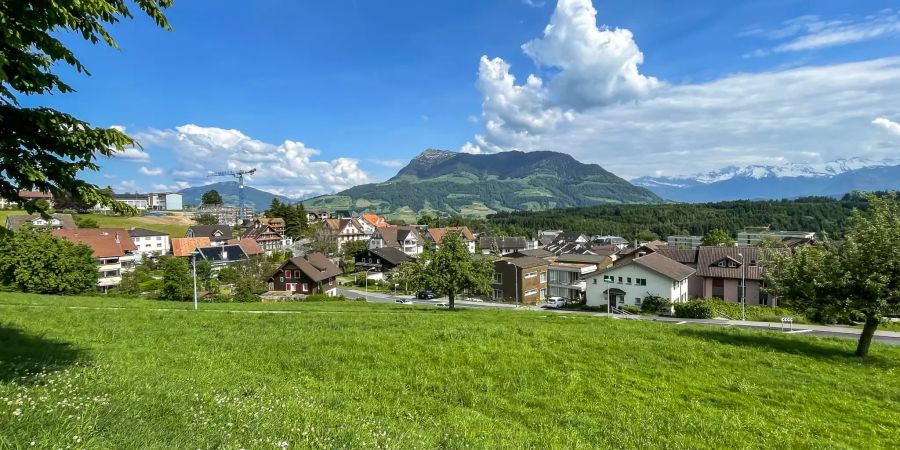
[[709, 256], [682, 255], [374, 219], [338, 225], [250, 246], [437, 234], [222, 253], [392, 255], [657, 263], [525, 262], [605, 250], [537, 253], [105, 242], [572, 248], [209, 231], [393, 234], [15, 222], [259, 231], [315, 266], [144, 232], [576, 258], [186, 246], [487, 242]]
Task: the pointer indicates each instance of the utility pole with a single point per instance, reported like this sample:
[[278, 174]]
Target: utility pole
[[194, 260]]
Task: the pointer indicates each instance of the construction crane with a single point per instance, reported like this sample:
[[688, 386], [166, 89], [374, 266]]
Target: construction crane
[[239, 174]]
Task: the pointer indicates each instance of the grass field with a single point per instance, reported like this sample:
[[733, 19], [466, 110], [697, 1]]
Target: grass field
[[176, 226], [108, 373]]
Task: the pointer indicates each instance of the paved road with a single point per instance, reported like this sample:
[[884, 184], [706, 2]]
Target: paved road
[[887, 337]]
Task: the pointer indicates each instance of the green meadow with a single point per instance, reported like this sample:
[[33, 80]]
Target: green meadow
[[84, 372]]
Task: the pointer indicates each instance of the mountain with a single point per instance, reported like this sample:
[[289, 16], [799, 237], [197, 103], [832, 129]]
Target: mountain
[[229, 192], [775, 182], [440, 181]]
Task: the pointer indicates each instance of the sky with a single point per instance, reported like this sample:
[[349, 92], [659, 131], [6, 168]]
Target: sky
[[322, 96]]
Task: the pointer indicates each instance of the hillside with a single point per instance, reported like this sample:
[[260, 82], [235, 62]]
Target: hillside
[[122, 374], [229, 192], [439, 181]]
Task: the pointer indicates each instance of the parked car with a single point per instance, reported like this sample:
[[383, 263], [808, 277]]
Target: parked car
[[403, 301], [556, 302], [425, 295]]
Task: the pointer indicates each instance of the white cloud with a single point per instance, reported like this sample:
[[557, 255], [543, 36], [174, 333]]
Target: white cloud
[[151, 171], [389, 162], [288, 167], [812, 32], [133, 154], [534, 3], [177, 186], [888, 124], [594, 67], [127, 186]]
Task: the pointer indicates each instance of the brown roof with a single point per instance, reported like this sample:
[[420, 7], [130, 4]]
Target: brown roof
[[15, 222], [105, 242], [709, 256], [393, 234], [536, 252], [605, 250], [248, 245], [437, 234], [665, 266], [682, 255], [315, 266], [186, 246]]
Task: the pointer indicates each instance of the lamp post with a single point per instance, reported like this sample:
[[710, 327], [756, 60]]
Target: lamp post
[[743, 288], [608, 301], [367, 282], [194, 264]]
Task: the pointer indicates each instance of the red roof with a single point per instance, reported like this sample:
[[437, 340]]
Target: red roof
[[437, 234], [186, 246], [105, 242]]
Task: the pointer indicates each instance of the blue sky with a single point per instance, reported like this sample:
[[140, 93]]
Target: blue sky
[[324, 95]]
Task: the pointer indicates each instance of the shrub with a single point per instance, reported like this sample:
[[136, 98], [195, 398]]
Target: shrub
[[325, 298], [631, 309], [694, 309], [656, 304]]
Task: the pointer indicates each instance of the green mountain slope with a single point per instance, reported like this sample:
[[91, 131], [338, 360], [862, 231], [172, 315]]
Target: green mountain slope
[[478, 185]]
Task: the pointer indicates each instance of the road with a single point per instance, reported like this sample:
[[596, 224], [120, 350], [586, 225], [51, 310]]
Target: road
[[887, 337]]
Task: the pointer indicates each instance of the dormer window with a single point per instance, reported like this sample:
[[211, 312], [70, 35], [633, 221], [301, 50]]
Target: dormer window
[[728, 263]]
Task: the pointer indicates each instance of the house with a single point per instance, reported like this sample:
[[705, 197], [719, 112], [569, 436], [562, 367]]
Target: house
[[721, 269], [382, 259], [266, 237], [570, 247], [521, 280], [312, 274], [150, 243], [685, 241], [25, 196], [184, 247], [316, 215], [277, 224], [112, 248], [405, 239], [687, 257], [567, 279], [628, 282], [371, 222], [55, 222], [752, 235], [221, 255], [501, 245], [165, 201], [436, 235], [250, 246], [217, 234], [139, 202], [616, 241], [340, 231]]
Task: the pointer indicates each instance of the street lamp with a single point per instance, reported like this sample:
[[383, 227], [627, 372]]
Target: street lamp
[[194, 264], [609, 310], [743, 288], [367, 282]]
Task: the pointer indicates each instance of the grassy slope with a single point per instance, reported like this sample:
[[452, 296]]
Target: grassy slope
[[174, 226], [356, 375]]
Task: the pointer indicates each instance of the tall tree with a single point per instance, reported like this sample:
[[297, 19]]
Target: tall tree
[[36, 261], [452, 270], [718, 237], [858, 279], [177, 280], [40, 148], [207, 219], [212, 198]]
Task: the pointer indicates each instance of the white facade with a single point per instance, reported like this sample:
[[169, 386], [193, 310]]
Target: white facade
[[165, 201], [152, 245], [630, 283], [691, 242]]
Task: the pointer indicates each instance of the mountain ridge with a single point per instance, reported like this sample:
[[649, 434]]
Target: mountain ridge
[[229, 191]]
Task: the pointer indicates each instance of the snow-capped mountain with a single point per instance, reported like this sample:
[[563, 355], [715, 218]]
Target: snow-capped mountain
[[775, 182]]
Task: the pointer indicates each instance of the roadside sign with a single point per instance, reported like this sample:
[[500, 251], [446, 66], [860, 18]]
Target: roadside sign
[[789, 321]]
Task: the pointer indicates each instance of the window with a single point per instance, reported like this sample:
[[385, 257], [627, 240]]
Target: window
[[287, 273], [296, 274], [498, 294], [305, 287], [609, 278], [637, 301], [158, 245], [498, 277], [530, 292], [543, 277], [628, 280], [595, 280], [620, 280], [530, 275], [640, 281], [281, 279]]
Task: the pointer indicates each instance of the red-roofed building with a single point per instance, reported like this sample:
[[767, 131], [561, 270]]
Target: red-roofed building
[[436, 235], [113, 249], [312, 274]]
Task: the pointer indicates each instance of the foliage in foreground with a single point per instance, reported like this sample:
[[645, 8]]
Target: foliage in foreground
[[357, 375], [36, 261]]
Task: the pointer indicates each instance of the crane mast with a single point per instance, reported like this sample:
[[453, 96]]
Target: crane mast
[[239, 174]]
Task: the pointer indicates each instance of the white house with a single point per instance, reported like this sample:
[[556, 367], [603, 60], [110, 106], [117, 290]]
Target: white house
[[628, 282], [149, 242], [406, 239]]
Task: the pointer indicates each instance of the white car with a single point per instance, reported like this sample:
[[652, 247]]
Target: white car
[[556, 302]]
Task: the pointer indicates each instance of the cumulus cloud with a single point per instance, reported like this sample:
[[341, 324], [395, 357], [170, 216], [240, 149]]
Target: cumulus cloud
[[888, 124], [812, 32], [289, 167], [177, 186], [151, 171], [593, 67], [133, 154], [127, 186]]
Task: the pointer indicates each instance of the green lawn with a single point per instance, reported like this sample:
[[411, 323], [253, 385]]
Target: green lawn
[[176, 226], [108, 373]]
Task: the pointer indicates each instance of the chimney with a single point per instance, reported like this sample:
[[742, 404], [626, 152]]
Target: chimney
[[117, 238]]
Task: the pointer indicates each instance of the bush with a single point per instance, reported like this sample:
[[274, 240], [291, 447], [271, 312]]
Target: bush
[[656, 305], [694, 309], [631, 309], [325, 298]]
